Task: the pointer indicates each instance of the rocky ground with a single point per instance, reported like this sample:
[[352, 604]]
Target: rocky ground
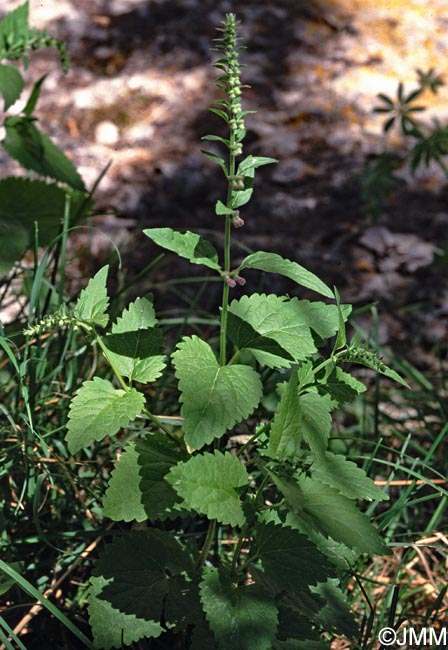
[[137, 93]]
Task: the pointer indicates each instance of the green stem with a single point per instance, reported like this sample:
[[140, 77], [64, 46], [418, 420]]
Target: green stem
[[207, 544], [225, 291], [252, 439]]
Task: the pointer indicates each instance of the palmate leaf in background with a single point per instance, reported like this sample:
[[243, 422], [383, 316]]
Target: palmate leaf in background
[[11, 85], [34, 150], [189, 245], [98, 410], [209, 483], [24, 202], [241, 618], [136, 345], [346, 477], [93, 301], [273, 263], [142, 565], [112, 628], [214, 397], [338, 517]]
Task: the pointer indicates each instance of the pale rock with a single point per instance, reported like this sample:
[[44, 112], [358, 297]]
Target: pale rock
[[107, 133]]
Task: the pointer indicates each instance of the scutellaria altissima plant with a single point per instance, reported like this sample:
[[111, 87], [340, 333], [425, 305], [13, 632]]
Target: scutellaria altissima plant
[[242, 539]]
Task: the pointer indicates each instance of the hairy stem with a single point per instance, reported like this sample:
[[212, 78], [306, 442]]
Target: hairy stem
[[225, 291]]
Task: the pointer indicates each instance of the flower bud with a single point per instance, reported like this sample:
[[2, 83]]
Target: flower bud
[[230, 281], [239, 280]]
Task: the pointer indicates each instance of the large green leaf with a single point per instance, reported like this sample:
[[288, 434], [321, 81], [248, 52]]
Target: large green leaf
[[289, 559], [98, 410], [123, 500], [335, 614], [213, 397], [188, 245], [241, 618], [286, 428], [24, 202], [112, 628], [156, 456], [208, 483], [141, 565], [273, 263], [338, 517], [93, 301], [271, 327], [338, 553], [135, 345], [346, 477], [315, 420], [34, 150], [11, 84]]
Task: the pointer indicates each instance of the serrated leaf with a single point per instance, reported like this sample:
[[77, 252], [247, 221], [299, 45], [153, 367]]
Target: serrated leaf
[[270, 326], [286, 428], [34, 150], [346, 477], [292, 625], [289, 489], [321, 318], [273, 263], [208, 483], [98, 410], [338, 517], [335, 614], [156, 456], [341, 386], [123, 500], [241, 618], [135, 345], [141, 565], [213, 397], [24, 202], [289, 559], [339, 554], [93, 301], [11, 85], [315, 420], [112, 628], [189, 245]]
